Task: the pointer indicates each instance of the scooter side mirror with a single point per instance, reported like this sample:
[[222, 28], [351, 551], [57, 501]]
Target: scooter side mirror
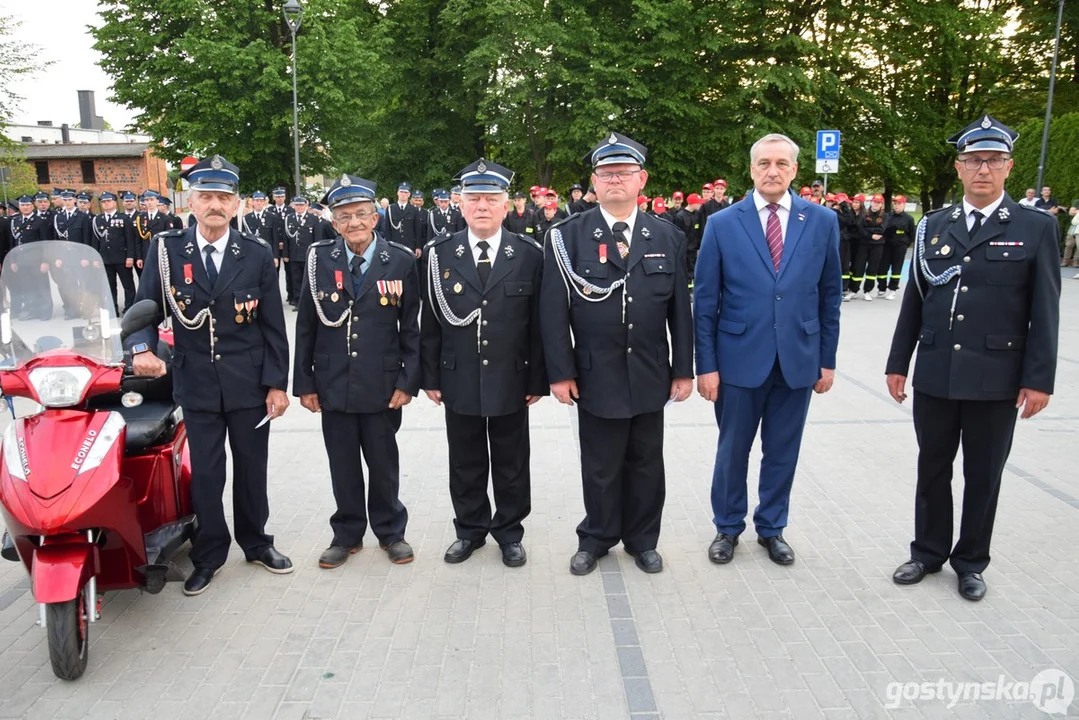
[[5, 328], [141, 315]]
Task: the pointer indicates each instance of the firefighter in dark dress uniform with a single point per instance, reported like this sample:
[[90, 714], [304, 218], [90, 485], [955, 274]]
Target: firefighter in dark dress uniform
[[399, 223], [483, 359], [260, 223], [358, 364], [114, 240], [983, 309], [229, 366], [31, 225], [616, 278], [301, 229]]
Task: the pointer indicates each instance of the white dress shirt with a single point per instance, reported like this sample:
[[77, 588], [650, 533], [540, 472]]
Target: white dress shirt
[[986, 211], [631, 221], [494, 241], [219, 247], [784, 213]]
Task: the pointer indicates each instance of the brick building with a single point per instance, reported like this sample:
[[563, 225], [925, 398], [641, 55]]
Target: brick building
[[98, 167]]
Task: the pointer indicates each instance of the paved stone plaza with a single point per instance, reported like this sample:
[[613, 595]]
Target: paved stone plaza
[[823, 638]]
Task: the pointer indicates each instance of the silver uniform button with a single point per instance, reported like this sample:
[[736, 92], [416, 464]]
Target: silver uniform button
[[629, 350], [629, 299], [966, 259], [957, 347], [963, 289], [484, 303], [485, 343], [355, 336], [485, 323], [354, 353], [217, 357], [1005, 254], [959, 318], [484, 362], [631, 326]]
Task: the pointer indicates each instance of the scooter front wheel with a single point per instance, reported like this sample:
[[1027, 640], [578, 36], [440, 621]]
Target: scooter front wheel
[[68, 625]]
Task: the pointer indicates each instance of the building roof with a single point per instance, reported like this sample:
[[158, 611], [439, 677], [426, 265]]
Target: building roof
[[42, 151]]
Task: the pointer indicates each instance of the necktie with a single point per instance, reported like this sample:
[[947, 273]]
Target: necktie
[[483, 267], [978, 217], [774, 235], [620, 240], [211, 267], [356, 267]]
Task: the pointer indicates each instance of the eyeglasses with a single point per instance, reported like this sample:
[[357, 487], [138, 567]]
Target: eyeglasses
[[346, 219], [621, 175], [997, 162]]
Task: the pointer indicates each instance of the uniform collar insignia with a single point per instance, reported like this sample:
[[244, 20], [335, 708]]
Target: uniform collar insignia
[[189, 248], [957, 213], [597, 233], [645, 232], [384, 256], [335, 253], [508, 249], [460, 251], [235, 249], [1003, 213]]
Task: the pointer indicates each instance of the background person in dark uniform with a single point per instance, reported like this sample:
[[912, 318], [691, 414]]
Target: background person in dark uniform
[[301, 229], [399, 223], [870, 248], [983, 308], [171, 219], [32, 224], [230, 365], [260, 223], [519, 220], [114, 240], [358, 364], [616, 278], [278, 209], [483, 358], [898, 235]]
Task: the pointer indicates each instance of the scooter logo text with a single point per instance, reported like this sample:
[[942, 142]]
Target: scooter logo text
[[84, 449], [23, 457]]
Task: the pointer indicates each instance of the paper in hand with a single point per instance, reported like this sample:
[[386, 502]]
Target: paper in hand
[[266, 419]]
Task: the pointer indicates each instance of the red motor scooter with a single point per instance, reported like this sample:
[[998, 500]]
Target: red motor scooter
[[94, 487]]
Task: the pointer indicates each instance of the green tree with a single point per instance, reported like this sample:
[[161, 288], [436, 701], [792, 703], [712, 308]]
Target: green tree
[[215, 78], [17, 59], [22, 178]]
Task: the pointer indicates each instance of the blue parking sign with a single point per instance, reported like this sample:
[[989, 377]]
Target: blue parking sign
[[827, 145]]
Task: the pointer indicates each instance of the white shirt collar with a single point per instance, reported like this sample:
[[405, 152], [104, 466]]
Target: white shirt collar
[[985, 211], [611, 220], [494, 241], [761, 203], [219, 244]]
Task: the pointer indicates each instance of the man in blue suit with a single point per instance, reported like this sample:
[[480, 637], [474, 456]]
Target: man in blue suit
[[766, 314]]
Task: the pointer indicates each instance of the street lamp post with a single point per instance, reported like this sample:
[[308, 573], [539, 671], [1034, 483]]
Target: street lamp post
[[293, 11], [1049, 101]]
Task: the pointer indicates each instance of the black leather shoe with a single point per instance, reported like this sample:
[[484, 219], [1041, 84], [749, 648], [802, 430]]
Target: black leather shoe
[[971, 585], [583, 562], [400, 552], [721, 551], [198, 581], [513, 554], [273, 561], [778, 550], [7, 548], [336, 555], [648, 561], [462, 550], [912, 572]]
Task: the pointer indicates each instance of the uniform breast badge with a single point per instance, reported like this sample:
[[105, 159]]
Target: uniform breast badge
[[603, 253], [189, 274], [946, 250], [457, 288], [383, 300]]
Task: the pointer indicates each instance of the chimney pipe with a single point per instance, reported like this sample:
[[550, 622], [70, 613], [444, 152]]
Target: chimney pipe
[[65, 133], [88, 117]]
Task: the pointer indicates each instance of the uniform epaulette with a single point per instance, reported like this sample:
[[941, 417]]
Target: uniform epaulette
[[403, 248], [169, 233], [442, 237], [1034, 209], [254, 239], [324, 241], [936, 210], [530, 241]]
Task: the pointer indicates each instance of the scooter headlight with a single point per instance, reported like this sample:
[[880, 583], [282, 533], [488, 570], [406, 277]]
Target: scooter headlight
[[15, 454], [103, 442], [59, 386]]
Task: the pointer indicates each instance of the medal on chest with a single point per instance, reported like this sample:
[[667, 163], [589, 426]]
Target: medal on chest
[[189, 274]]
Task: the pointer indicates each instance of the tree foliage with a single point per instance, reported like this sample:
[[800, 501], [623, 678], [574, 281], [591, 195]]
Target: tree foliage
[[415, 89], [17, 58]]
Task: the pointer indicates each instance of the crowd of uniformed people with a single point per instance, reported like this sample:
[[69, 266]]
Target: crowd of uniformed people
[[487, 301]]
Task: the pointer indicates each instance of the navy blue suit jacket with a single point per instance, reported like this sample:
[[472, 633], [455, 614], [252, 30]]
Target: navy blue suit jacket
[[746, 314]]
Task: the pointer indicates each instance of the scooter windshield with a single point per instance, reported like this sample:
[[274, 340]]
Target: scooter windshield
[[54, 295]]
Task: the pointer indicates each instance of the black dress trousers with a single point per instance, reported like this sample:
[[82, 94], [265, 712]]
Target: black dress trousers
[[624, 481], [985, 428], [499, 445]]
